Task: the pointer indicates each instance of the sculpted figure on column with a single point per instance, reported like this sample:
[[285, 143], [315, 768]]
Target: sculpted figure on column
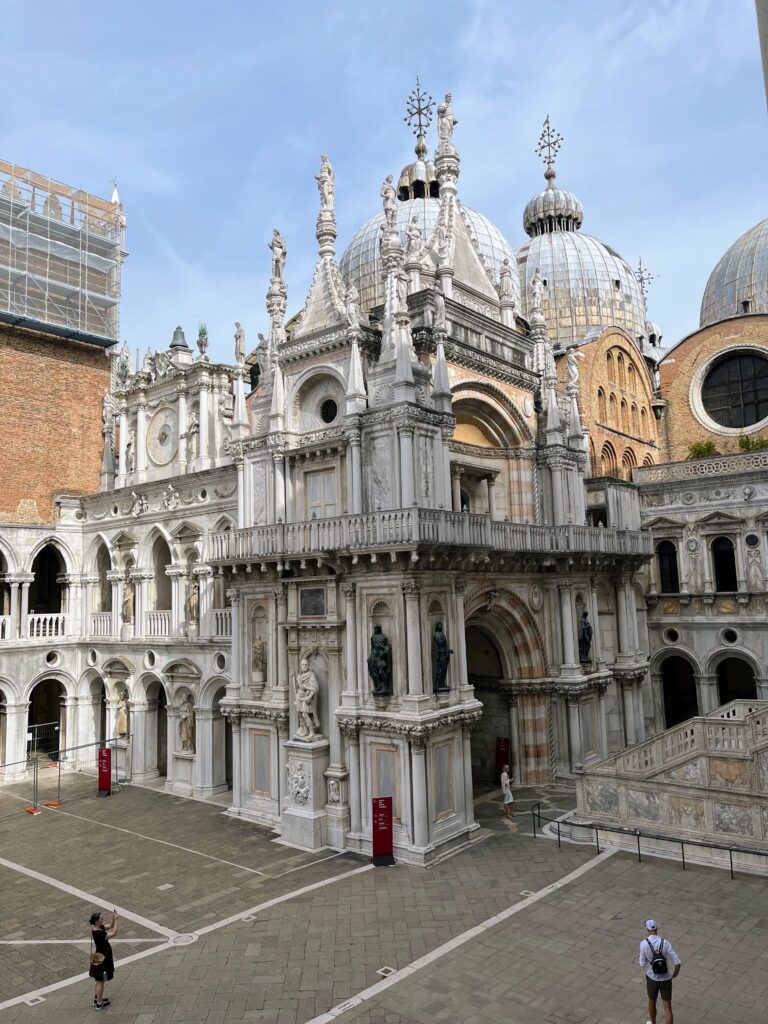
[[239, 343], [259, 651], [438, 299], [537, 288], [186, 724], [127, 606], [306, 687], [278, 247], [389, 200], [505, 280], [441, 656], [353, 307], [585, 638], [193, 430], [413, 234], [121, 719], [130, 452], [380, 663], [326, 184], [193, 603], [446, 122]]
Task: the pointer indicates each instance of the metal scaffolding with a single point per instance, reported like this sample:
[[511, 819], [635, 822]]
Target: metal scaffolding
[[61, 251]]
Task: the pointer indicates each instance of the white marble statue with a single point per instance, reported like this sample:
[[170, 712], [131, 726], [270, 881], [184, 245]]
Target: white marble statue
[[239, 344], [505, 280], [278, 247], [446, 122], [193, 433], [413, 234], [126, 609], [193, 603], [402, 292], [326, 184], [187, 724], [443, 245], [130, 452], [106, 411], [306, 687], [537, 288], [170, 498], [389, 201], [259, 652], [121, 718], [439, 322], [573, 369], [755, 574], [353, 307]]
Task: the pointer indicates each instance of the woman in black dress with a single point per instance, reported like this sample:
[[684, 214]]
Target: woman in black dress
[[101, 936]]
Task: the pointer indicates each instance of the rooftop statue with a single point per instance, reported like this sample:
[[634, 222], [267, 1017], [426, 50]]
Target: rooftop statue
[[353, 307], [326, 184], [278, 247], [413, 233], [537, 288], [239, 343], [505, 280], [439, 322], [389, 199], [446, 122]]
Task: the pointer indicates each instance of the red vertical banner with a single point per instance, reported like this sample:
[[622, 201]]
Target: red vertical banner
[[105, 772], [383, 842], [502, 754]]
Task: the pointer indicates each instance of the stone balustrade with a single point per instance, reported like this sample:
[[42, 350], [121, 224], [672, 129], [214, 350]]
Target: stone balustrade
[[101, 624], [44, 626], [222, 622], [5, 627], [415, 527], [159, 623]]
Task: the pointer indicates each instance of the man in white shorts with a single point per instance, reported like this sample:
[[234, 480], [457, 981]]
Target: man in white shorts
[[658, 983]]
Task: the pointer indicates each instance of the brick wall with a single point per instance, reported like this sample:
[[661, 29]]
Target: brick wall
[[680, 425], [51, 393]]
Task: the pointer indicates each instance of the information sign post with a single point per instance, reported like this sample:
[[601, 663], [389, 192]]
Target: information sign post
[[105, 772], [383, 843]]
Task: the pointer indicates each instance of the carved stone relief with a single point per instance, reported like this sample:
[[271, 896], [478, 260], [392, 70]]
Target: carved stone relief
[[688, 813], [690, 772], [601, 797], [644, 805], [733, 820], [730, 774]]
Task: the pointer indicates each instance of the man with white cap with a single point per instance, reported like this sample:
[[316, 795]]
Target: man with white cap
[[662, 964]]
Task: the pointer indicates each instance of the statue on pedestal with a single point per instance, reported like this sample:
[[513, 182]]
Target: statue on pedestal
[[187, 724], [258, 661], [239, 343], [413, 234], [193, 603], [278, 247], [127, 606], [585, 638], [439, 321], [441, 656], [306, 687], [353, 307], [389, 201], [193, 431], [121, 718], [130, 452], [380, 663], [446, 122], [326, 184], [537, 288], [505, 280]]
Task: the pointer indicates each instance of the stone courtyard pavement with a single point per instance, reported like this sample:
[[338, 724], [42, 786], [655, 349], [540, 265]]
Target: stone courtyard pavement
[[221, 923]]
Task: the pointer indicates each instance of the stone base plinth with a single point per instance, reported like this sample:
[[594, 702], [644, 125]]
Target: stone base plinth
[[304, 820]]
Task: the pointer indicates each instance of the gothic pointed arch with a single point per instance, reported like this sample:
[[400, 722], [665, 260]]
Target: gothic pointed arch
[[488, 408], [520, 645]]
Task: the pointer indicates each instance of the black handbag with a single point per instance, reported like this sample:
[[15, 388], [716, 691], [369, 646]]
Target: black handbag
[[96, 968]]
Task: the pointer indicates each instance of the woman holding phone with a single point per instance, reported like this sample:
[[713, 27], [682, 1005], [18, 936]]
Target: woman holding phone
[[101, 934]]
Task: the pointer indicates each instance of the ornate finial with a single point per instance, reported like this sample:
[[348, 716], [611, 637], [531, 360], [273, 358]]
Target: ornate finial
[[419, 106], [549, 144], [644, 277]]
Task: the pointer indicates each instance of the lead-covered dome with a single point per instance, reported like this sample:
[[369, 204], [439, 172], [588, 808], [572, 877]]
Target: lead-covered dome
[[739, 283], [361, 263]]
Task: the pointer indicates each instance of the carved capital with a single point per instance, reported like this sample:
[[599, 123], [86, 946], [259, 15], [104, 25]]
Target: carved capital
[[411, 588], [460, 585], [350, 729], [418, 739], [347, 588], [233, 596]]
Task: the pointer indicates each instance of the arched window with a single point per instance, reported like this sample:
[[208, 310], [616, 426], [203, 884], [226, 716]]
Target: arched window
[[103, 595], [644, 423], [735, 680], [45, 591], [648, 460], [620, 368], [628, 463], [612, 417], [669, 580], [631, 377], [679, 690], [161, 558], [635, 421], [601, 405], [608, 460], [724, 559], [624, 417], [611, 367]]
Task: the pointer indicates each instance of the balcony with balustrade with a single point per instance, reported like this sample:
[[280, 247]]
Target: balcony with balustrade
[[46, 626], [417, 528]]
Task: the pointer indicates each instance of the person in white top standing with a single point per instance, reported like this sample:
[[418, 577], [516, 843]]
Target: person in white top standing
[[662, 964], [506, 790]]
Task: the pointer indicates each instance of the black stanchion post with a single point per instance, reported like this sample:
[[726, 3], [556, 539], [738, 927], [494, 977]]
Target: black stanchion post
[[558, 834], [682, 853], [639, 858], [730, 856], [597, 840]]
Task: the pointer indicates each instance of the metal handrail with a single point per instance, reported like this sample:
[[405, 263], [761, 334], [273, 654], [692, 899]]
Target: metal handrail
[[638, 834]]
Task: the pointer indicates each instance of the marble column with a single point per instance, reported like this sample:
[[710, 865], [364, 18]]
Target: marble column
[[357, 474], [407, 488], [122, 464], [445, 444], [466, 743], [353, 761], [637, 699], [235, 658], [574, 730], [178, 578], [459, 640], [181, 455], [594, 615], [237, 761], [115, 580], [412, 593], [282, 640], [514, 739], [706, 693], [567, 629], [204, 425], [240, 464], [456, 488], [622, 621], [351, 681], [490, 483], [602, 722], [630, 736], [420, 804], [279, 487], [24, 614], [559, 513], [14, 628], [15, 754], [141, 433]]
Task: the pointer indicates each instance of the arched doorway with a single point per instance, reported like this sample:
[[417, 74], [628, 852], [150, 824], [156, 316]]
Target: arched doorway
[[45, 592], [46, 718], [485, 672], [735, 680], [156, 732], [3, 726], [679, 691], [222, 745]]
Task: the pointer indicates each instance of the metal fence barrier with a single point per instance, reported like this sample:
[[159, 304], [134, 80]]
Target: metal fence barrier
[[43, 738], [58, 776], [635, 834]]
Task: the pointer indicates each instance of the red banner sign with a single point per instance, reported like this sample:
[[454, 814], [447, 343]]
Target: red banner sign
[[105, 772], [383, 843], [502, 753]]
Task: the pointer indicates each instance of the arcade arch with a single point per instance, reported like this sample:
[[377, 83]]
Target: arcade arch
[[678, 689]]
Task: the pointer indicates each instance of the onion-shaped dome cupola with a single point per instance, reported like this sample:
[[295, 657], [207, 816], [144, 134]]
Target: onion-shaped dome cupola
[[588, 285], [738, 285]]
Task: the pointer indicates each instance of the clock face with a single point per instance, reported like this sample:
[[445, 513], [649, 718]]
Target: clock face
[[163, 437]]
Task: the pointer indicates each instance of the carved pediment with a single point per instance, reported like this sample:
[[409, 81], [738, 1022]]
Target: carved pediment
[[663, 524], [715, 520]]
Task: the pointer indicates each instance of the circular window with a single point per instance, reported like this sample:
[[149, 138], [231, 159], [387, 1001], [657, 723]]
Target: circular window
[[203, 494], [752, 540], [735, 390], [671, 636], [729, 636], [52, 658], [220, 661], [329, 410], [150, 659], [92, 657]]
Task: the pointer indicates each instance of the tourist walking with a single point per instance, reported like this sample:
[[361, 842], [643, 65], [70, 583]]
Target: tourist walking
[[662, 964], [506, 790], [101, 934]]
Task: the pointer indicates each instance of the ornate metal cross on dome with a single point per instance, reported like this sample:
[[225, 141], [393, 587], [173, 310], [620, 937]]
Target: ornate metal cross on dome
[[644, 277], [549, 144], [419, 106]]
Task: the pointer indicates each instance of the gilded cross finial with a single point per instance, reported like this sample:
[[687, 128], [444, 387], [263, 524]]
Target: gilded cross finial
[[548, 147], [419, 106], [644, 277]]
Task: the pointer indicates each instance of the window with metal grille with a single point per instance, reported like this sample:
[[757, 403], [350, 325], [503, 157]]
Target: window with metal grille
[[735, 391]]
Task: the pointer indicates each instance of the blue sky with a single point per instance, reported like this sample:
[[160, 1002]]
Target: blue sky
[[213, 118]]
